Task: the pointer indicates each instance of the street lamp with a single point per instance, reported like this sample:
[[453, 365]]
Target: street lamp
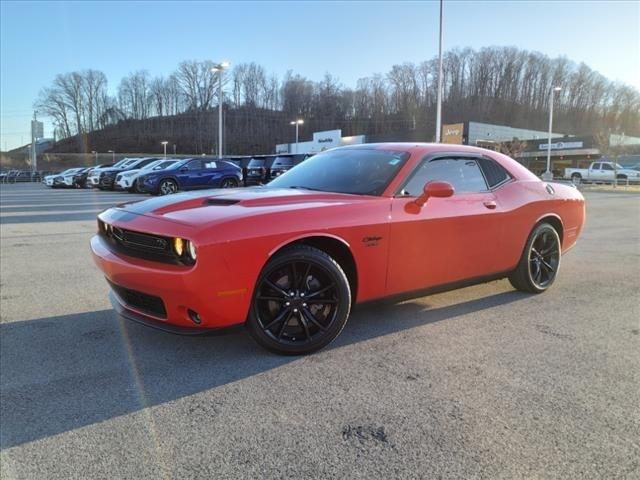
[[96, 155], [164, 144], [548, 175], [220, 68], [297, 123], [113, 156]]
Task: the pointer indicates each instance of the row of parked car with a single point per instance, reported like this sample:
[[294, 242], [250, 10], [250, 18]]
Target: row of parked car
[[163, 176], [22, 176]]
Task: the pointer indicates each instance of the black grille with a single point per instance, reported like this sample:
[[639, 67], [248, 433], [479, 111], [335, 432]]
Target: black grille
[[140, 245], [148, 304]]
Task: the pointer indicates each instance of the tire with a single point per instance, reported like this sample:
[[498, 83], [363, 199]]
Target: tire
[[229, 183], [280, 318], [167, 187], [540, 261], [576, 178]]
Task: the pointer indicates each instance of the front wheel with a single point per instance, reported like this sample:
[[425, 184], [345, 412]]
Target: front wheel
[[167, 187], [540, 261], [301, 302], [229, 183]]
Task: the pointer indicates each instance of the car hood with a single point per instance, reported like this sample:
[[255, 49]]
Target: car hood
[[206, 208], [134, 170], [112, 170]]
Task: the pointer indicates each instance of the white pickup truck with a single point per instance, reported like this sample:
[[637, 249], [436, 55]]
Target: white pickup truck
[[601, 172]]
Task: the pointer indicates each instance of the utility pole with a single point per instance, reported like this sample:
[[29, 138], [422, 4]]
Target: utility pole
[[439, 98], [547, 176], [33, 143]]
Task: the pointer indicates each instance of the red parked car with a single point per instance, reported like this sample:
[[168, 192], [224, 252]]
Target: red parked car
[[350, 225]]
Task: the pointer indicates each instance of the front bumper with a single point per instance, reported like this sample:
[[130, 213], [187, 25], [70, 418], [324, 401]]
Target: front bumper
[[122, 184], [106, 182], [120, 307], [65, 182], [183, 290]]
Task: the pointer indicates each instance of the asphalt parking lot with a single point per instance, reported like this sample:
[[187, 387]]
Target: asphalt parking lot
[[483, 382]]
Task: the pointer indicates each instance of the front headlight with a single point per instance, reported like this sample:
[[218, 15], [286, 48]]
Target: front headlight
[[184, 249], [192, 251], [178, 246]]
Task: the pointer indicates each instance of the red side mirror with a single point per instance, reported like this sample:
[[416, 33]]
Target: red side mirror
[[435, 189]]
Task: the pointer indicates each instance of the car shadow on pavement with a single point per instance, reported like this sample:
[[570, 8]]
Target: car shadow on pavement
[[62, 373]]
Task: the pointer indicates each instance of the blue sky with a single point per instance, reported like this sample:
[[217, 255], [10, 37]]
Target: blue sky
[[350, 40]]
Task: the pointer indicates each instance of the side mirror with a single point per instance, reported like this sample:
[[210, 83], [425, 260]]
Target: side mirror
[[435, 189], [183, 169]]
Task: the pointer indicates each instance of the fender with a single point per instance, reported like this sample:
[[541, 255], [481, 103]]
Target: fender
[[309, 235]]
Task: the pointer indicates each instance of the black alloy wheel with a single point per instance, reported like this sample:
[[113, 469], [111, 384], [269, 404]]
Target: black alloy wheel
[[301, 302], [167, 187], [540, 261], [229, 183]]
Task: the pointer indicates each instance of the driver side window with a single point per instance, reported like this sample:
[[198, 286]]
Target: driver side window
[[463, 173], [194, 165]]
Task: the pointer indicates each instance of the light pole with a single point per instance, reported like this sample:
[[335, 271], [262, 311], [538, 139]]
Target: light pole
[[96, 156], [220, 68], [113, 156], [439, 97], [547, 176], [297, 123], [164, 144]]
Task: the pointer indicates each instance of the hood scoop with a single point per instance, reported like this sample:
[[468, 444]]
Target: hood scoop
[[220, 201]]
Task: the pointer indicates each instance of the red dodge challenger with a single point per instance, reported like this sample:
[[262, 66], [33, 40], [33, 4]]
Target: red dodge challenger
[[347, 226]]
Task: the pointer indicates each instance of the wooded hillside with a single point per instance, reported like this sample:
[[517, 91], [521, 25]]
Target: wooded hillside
[[501, 85]]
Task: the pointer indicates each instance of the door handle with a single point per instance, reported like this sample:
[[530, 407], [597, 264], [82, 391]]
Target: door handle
[[490, 204]]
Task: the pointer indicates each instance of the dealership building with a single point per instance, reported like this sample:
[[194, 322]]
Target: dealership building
[[566, 150], [321, 141], [488, 135]]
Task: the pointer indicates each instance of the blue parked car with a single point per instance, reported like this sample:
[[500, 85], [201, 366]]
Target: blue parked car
[[192, 174]]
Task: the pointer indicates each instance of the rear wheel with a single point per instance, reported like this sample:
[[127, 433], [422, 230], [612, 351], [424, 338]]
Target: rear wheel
[[229, 183], [167, 187], [540, 261], [301, 302]]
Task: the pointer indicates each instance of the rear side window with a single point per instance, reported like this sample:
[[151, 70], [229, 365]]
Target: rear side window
[[283, 162], [494, 173], [463, 173]]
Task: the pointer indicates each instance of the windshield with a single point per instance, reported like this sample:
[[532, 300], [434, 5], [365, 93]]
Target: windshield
[[120, 163], [161, 165], [361, 171], [149, 166], [256, 162], [178, 164]]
